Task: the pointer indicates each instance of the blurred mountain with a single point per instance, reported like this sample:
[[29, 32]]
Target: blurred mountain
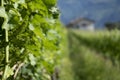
[[101, 11]]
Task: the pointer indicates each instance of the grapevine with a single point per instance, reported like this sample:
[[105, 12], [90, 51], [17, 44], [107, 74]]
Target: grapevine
[[104, 42], [34, 45]]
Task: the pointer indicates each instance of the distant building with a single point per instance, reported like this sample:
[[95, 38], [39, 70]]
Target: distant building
[[82, 24]]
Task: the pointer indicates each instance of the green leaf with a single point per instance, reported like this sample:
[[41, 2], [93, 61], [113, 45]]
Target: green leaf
[[9, 72], [32, 59], [31, 27], [4, 15], [50, 2], [14, 12]]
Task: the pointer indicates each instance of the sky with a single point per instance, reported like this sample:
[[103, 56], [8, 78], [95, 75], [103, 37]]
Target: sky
[[101, 11]]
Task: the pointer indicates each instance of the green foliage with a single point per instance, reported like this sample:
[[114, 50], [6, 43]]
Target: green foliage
[[34, 38]]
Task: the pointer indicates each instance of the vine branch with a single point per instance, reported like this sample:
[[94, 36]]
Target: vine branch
[[2, 3], [4, 77]]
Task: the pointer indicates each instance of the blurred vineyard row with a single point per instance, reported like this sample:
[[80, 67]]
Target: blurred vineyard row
[[93, 55]]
